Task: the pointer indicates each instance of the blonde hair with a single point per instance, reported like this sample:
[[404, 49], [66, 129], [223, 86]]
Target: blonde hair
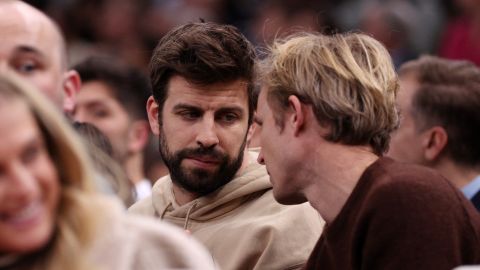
[[348, 79], [76, 220]]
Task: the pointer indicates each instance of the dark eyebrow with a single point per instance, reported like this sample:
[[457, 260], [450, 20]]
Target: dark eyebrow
[[29, 49], [183, 106], [234, 109], [94, 103]]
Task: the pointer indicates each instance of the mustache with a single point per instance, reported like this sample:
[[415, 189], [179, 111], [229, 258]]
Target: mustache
[[201, 152]]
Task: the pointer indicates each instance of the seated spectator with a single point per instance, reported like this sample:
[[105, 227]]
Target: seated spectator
[[113, 97], [50, 218], [33, 47], [440, 128], [201, 110], [329, 102]]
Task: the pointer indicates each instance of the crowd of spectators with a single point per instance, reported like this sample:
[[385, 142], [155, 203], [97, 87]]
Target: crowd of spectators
[[129, 29]]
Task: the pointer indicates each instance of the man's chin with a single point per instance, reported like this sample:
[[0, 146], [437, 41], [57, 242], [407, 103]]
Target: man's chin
[[288, 199], [198, 190], [191, 180]]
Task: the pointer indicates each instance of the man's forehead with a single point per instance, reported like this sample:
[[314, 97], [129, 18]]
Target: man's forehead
[[179, 90], [26, 26], [97, 89]]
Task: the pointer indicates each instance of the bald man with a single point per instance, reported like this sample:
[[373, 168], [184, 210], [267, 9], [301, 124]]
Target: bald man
[[32, 45]]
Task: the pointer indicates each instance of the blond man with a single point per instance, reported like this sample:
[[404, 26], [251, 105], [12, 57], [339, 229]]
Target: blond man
[[328, 101]]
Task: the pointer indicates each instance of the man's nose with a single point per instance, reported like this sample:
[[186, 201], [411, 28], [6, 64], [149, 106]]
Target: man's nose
[[207, 136]]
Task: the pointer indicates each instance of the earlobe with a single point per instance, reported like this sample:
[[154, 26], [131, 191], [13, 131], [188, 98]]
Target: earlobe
[[297, 117], [71, 86], [251, 131], [152, 111], [434, 142]]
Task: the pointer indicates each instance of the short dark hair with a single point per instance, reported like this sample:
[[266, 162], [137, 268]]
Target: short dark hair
[[448, 96], [203, 53], [129, 86]]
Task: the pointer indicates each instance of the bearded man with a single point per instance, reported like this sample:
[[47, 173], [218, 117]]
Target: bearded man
[[201, 109]]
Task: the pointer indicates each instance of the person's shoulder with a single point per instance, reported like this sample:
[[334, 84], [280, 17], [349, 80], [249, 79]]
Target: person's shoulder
[[266, 208], [410, 187], [160, 191], [143, 207], [154, 244], [399, 175], [284, 235], [151, 232]]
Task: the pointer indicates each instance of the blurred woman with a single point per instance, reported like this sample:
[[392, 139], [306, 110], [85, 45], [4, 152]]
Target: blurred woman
[[50, 215]]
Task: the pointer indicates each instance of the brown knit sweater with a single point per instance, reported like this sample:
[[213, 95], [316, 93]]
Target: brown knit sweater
[[400, 216]]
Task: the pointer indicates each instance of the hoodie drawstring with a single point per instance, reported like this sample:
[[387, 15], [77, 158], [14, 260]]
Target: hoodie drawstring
[[187, 218], [165, 210]]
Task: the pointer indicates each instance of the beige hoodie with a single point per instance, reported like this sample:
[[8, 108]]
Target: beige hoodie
[[127, 242], [241, 224]]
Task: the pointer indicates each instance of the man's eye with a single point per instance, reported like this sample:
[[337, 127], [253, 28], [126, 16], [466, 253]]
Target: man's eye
[[190, 115], [228, 117], [26, 67]]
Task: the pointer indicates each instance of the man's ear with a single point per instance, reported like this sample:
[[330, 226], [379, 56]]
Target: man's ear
[[251, 131], [296, 115], [434, 141], [138, 135], [253, 136], [71, 86], [152, 111]]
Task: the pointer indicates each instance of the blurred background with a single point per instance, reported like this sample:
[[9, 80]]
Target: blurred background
[[130, 29]]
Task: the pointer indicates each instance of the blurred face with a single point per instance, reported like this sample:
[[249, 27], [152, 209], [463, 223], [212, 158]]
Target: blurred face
[[96, 105], [406, 142], [202, 133], [275, 143], [29, 184], [30, 45]]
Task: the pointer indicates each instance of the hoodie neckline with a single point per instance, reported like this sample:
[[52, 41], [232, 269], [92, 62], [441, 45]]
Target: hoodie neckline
[[253, 179]]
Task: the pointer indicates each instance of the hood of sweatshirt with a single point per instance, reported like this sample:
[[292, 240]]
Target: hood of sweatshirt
[[253, 179]]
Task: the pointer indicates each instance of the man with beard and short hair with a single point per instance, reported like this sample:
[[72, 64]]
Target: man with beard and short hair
[[201, 109]]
